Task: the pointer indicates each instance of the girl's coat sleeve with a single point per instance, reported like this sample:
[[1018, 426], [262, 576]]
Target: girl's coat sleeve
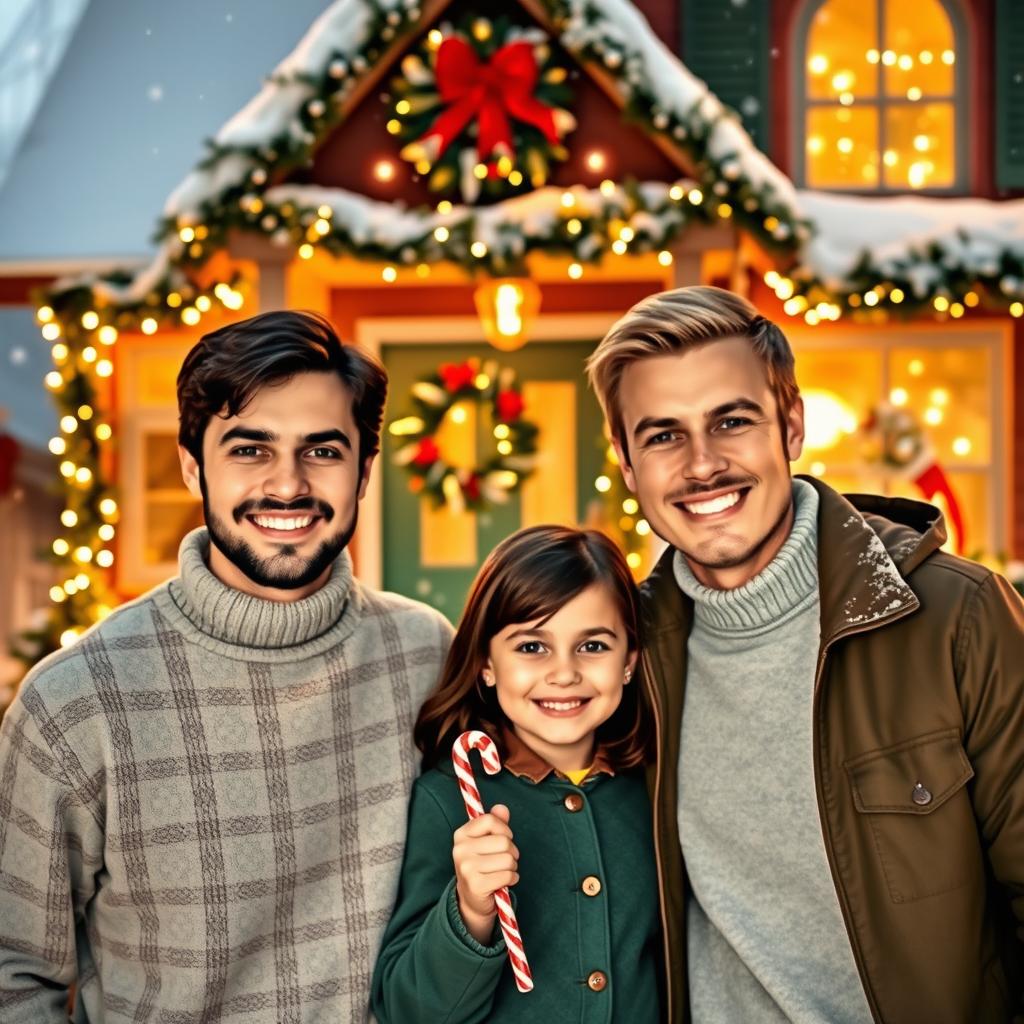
[[430, 969]]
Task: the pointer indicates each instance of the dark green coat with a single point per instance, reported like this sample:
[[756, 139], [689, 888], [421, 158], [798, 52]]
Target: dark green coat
[[431, 970]]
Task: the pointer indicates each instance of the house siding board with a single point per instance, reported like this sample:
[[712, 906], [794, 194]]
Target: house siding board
[[1009, 88]]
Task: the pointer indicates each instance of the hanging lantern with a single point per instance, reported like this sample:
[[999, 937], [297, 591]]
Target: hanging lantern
[[506, 307]]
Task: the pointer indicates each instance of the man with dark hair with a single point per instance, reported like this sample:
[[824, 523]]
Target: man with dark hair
[[203, 800], [838, 806]]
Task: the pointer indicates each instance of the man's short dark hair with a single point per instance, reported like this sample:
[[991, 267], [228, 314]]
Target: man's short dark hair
[[226, 368]]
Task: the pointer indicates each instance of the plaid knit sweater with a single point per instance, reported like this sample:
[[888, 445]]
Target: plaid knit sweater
[[203, 804]]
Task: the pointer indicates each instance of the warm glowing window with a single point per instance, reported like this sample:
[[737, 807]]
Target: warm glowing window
[[946, 389], [880, 83]]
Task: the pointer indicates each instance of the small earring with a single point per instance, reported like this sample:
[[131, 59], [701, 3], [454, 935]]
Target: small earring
[[629, 673], [487, 678]]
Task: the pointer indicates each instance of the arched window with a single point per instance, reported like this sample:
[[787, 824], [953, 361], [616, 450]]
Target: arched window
[[879, 96]]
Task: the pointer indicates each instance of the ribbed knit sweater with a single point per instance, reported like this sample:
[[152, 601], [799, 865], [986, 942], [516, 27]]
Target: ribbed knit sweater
[[766, 940], [203, 804]]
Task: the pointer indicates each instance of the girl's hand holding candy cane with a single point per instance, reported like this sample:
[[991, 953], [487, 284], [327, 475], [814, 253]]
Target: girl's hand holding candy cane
[[486, 860]]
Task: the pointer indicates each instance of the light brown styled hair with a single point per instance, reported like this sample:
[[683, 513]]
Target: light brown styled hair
[[528, 577], [673, 322]]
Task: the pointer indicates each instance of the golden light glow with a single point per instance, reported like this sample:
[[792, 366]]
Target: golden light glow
[[634, 560], [104, 432], [174, 300], [441, 233], [695, 196], [59, 352], [190, 316], [89, 354], [507, 307], [665, 258], [504, 447], [61, 547], [619, 247], [203, 304], [939, 396], [676, 192], [828, 418], [607, 188], [575, 271], [818, 64], [108, 334], [515, 178], [305, 251], [149, 325], [630, 506], [899, 396], [389, 274], [67, 469], [603, 484], [187, 235], [44, 314], [82, 554], [478, 249], [915, 367], [384, 170], [57, 594], [57, 445], [104, 368], [574, 225], [896, 295], [962, 446], [105, 558], [502, 431], [941, 303], [53, 380], [108, 507], [105, 532], [933, 416], [68, 424], [596, 161], [68, 637], [51, 331], [83, 474], [643, 527]]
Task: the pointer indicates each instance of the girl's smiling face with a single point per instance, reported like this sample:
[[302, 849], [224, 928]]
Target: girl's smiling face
[[557, 680]]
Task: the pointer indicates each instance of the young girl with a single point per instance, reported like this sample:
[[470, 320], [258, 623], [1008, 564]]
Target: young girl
[[541, 662]]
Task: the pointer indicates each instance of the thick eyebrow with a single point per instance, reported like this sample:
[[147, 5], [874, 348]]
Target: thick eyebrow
[[586, 634], [667, 422], [268, 437]]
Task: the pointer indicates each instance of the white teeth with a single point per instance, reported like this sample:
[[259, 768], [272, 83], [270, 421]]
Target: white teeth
[[276, 523], [706, 508], [560, 705]]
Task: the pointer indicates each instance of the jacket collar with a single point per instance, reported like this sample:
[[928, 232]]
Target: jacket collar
[[862, 560], [522, 761]]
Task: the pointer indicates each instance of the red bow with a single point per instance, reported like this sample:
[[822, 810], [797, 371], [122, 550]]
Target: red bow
[[489, 92]]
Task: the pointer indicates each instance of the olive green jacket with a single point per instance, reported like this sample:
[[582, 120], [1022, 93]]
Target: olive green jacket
[[918, 762]]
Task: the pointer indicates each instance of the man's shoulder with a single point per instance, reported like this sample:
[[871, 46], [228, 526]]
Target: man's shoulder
[[66, 674], [413, 615]]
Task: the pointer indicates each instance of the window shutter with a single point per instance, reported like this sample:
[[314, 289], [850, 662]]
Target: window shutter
[[726, 43], [1009, 95]]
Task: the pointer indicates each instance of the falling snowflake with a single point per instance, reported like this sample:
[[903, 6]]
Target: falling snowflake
[[19, 356], [750, 106], [423, 587], [155, 92], [229, 18]]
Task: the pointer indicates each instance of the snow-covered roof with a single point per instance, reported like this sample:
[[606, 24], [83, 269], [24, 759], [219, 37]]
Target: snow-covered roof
[[824, 240]]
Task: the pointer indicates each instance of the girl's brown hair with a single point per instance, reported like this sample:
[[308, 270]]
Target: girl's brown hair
[[528, 577]]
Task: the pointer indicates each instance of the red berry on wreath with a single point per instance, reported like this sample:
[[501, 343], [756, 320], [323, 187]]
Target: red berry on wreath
[[427, 453], [510, 405]]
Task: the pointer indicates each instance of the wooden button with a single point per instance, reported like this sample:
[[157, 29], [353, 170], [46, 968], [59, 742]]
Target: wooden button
[[573, 802], [591, 885], [596, 981]]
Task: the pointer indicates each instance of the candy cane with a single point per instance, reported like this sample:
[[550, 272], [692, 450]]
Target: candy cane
[[474, 808]]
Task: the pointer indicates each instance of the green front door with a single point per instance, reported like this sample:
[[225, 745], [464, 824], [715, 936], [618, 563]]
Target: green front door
[[439, 567]]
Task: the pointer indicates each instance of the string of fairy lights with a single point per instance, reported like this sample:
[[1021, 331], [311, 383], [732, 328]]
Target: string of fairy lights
[[586, 227]]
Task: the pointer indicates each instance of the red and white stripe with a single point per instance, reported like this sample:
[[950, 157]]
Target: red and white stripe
[[480, 741]]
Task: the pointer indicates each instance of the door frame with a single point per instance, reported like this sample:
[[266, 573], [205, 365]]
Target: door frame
[[371, 333]]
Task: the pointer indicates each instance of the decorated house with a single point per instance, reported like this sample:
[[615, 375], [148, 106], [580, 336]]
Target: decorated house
[[476, 196]]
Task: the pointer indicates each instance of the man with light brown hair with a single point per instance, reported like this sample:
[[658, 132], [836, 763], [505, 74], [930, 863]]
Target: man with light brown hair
[[839, 819]]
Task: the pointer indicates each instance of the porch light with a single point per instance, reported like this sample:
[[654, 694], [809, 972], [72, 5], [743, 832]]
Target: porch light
[[506, 307]]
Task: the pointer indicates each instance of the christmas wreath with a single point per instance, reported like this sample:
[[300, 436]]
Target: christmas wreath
[[481, 107], [433, 398]]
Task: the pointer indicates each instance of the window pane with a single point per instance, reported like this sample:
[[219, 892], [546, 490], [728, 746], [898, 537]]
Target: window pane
[[919, 49], [842, 35], [947, 391], [840, 388], [842, 147], [919, 146]]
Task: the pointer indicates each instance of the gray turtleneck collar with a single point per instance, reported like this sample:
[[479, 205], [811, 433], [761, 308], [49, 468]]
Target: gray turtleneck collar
[[233, 617], [781, 590]]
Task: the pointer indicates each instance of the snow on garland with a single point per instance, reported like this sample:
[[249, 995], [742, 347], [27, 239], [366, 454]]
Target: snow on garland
[[494, 389], [478, 104]]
